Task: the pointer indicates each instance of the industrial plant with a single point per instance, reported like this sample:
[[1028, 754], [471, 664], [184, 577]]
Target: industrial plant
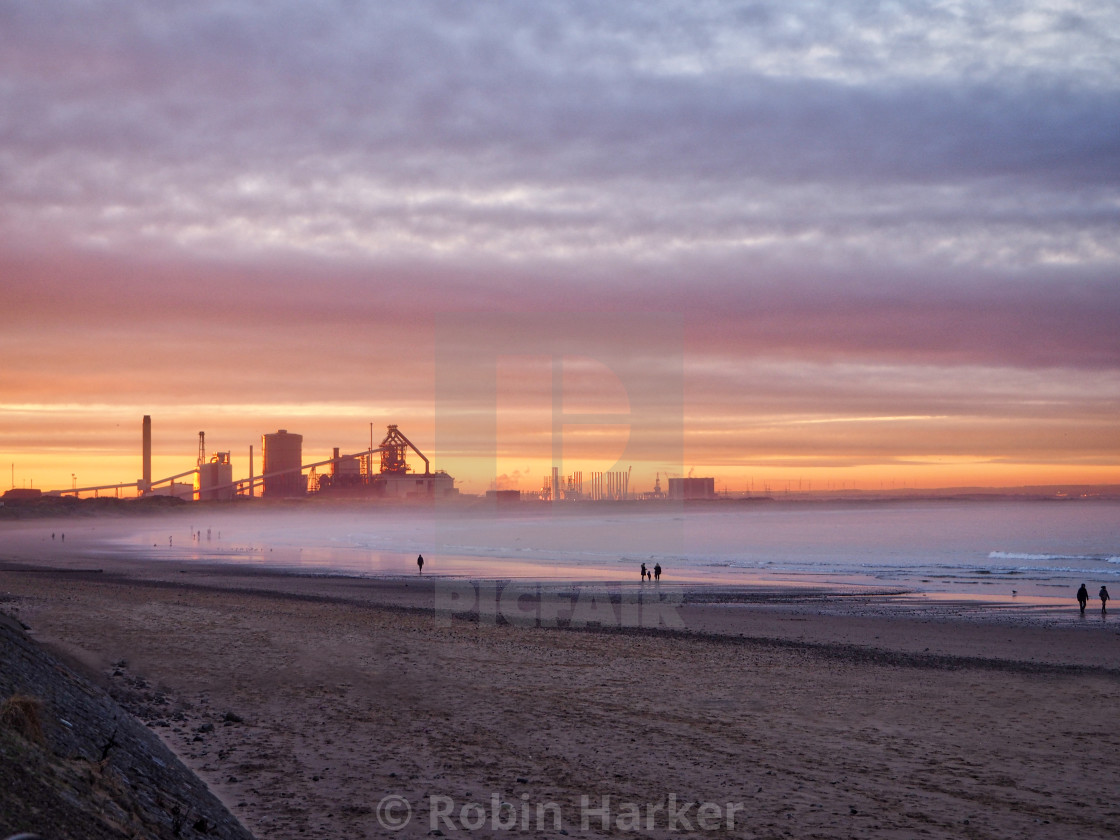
[[379, 472]]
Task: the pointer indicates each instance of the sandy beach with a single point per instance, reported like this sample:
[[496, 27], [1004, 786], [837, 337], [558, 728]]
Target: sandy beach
[[331, 706]]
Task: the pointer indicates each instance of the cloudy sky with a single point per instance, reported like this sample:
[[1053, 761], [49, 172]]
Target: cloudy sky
[[850, 243]]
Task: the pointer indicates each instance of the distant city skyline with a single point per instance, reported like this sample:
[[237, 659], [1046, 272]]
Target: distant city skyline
[[877, 246]]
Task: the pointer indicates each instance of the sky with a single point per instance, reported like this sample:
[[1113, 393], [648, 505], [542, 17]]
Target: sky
[[818, 244]]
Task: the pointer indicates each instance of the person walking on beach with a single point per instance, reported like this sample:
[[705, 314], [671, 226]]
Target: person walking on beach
[[420, 563], [1103, 594], [643, 572], [1082, 597], [657, 572]]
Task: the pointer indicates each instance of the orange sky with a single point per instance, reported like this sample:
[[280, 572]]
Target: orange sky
[[601, 430]]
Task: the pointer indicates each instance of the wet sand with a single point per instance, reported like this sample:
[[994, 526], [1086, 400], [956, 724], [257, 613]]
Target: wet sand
[[305, 701]]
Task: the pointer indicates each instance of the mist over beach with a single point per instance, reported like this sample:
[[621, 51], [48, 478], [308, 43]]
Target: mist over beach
[[991, 550]]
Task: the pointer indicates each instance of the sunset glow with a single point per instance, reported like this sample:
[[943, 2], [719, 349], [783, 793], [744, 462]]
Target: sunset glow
[[847, 246]]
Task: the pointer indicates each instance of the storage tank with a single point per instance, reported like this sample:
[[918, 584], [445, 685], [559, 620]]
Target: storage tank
[[214, 480], [283, 453]]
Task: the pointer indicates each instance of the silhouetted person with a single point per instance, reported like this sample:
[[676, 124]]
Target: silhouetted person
[[643, 572], [657, 572], [420, 563], [1103, 594], [1082, 597]]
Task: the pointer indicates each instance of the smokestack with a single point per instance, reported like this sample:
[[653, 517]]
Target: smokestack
[[146, 481], [251, 492]]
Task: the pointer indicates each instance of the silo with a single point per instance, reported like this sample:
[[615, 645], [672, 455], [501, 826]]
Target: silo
[[214, 481], [283, 453]]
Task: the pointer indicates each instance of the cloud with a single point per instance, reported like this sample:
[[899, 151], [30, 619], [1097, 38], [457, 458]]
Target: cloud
[[328, 130]]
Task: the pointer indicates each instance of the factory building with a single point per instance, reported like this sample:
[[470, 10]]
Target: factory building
[[283, 465], [283, 472], [503, 498], [174, 489], [214, 480], [22, 494], [433, 485], [345, 472], [688, 489], [345, 476], [360, 476], [396, 481]]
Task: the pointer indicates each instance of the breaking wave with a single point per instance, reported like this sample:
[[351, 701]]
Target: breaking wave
[[1050, 558]]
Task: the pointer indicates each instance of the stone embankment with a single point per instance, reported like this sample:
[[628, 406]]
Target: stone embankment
[[74, 764]]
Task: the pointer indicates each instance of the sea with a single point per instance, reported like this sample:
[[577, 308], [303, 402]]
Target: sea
[[1023, 550]]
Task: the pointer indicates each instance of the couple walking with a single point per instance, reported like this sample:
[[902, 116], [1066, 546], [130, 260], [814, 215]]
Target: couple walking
[[648, 575], [1083, 597]]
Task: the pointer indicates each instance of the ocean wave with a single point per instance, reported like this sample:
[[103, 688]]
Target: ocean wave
[[1050, 558]]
